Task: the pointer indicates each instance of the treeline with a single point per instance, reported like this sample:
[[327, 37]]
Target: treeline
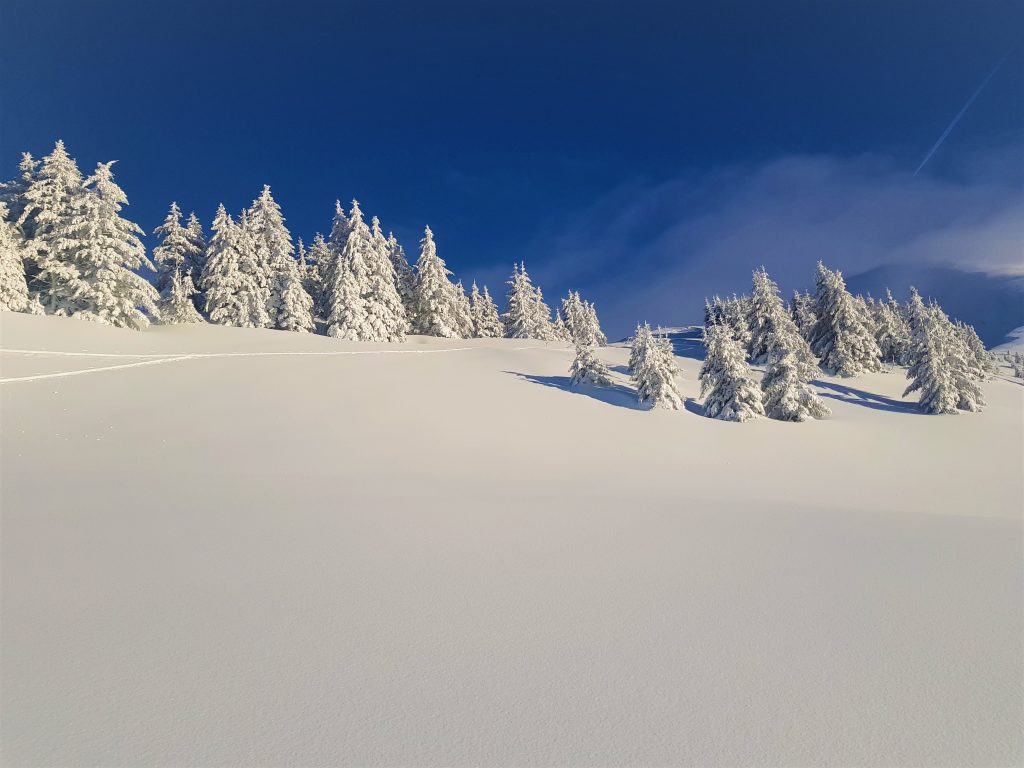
[[831, 330], [66, 249]]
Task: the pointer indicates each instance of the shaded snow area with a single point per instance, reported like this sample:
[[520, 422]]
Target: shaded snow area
[[257, 548]]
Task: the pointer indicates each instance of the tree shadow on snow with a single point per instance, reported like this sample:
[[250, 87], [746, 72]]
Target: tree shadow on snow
[[847, 394], [693, 406], [615, 394]]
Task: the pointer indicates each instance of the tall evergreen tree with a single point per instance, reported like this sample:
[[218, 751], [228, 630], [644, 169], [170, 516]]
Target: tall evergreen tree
[[174, 253], [726, 383], [275, 262], [464, 311], [842, 336], [321, 258], [486, 320], [654, 371], [233, 296], [526, 316], [892, 333], [587, 368], [92, 257], [802, 312], [13, 287], [405, 275], [437, 305], [937, 372], [772, 330], [984, 364], [51, 196]]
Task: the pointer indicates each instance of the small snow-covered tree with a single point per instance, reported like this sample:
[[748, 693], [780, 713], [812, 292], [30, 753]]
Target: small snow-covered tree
[[92, 257], [734, 317], [437, 305], [642, 336], [654, 371], [320, 257], [984, 364], [772, 329], [726, 383], [13, 287], [336, 241], [526, 315], [405, 275], [575, 319], [587, 368], [595, 324], [294, 304], [931, 372], [486, 319], [195, 258], [176, 307], [174, 253], [842, 336], [787, 395], [233, 296]]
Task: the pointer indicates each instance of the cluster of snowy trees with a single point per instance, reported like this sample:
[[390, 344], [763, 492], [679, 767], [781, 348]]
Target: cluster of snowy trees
[[66, 248], [840, 333]]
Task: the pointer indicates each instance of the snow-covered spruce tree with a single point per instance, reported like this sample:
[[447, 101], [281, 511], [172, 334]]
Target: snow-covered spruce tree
[[726, 384], [336, 241], [486, 319], [932, 372], [734, 317], [437, 307], [984, 364], [595, 324], [405, 275], [842, 336], [12, 193], [574, 316], [365, 302], [642, 336], [587, 368], [772, 329], [526, 315], [49, 198], [92, 254], [892, 333], [13, 287], [254, 264], [232, 295], [195, 258], [654, 372], [559, 328], [276, 265], [465, 312], [173, 255], [787, 395], [802, 312], [320, 257], [176, 307], [713, 311]]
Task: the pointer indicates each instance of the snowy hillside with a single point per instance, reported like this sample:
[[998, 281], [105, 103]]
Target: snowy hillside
[[229, 546]]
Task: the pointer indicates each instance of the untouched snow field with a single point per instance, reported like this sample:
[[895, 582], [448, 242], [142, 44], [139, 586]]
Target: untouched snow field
[[213, 555]]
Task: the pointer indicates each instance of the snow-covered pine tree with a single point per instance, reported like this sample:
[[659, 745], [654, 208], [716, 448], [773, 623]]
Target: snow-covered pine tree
[[50, 197], [464, 312], [654, 372], [526, 315], [405, 276], [195, 258], [787, 395], [437, 310], [574, 316], [254, 264], [802, 312], [642, 336], [276, 265], [932, 371], [172, 255], [336, 241], [587, 368], [559, 328], [320, 257], [733, 316], [726, 384], [365, 301], [842, 336], [713, 311], [92, 254], [233, 296], [176, 307], [892, 333], [486, 319], [984, 364], [772, 329], [13, 287], [12, 193], [595, 324]]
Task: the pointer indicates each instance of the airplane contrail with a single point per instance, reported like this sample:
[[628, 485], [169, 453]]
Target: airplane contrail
[[960, 114]]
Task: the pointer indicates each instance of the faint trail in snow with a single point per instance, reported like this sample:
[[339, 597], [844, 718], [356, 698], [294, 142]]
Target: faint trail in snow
[[79, 372], [154, 359]]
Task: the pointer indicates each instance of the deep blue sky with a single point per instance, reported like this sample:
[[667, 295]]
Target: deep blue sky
[[496, 123]]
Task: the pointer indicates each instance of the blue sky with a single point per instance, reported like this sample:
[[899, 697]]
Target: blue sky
[[617, 147]]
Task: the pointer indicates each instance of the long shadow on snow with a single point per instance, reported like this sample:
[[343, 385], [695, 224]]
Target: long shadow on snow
[[847, 394], [616, 394]]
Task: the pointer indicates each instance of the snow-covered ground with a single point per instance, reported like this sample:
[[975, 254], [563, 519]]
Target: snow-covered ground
[[231, 547]]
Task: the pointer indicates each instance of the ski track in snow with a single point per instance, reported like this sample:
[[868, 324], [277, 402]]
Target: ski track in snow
[[156, 359]]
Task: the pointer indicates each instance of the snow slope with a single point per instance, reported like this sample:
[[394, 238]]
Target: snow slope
[[215, 555]]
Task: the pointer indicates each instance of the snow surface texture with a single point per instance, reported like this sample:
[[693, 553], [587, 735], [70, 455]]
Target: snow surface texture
[[216, 556]]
